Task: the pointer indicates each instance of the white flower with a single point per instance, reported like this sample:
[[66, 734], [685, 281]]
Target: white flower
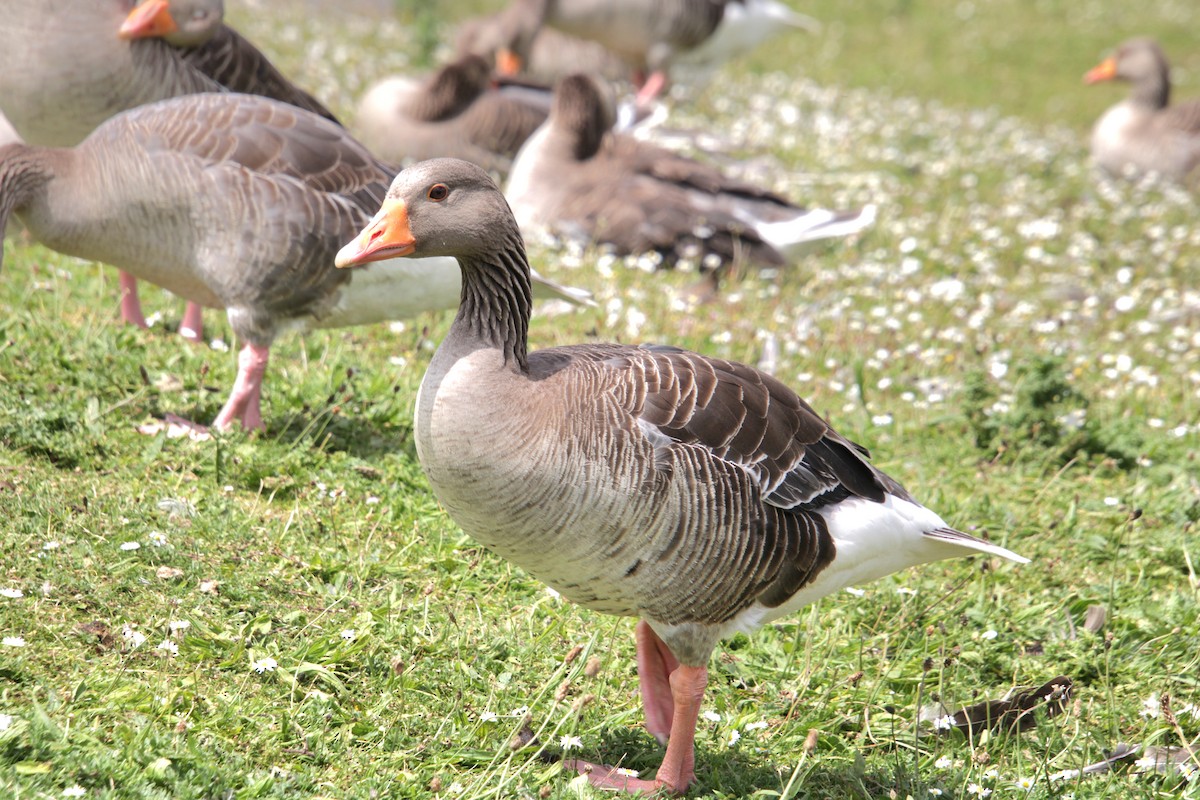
[[168, 646], [157, 538], [519, 712], [1151, 706], [177, 625], [756, 726], [1147, 763], [488, 716], [12, 641], [455, 788], [219, 345], [570, 742], [734, 736], [881, 420], [267, 664], [1188, 770], [1111, 501], [943, 762], [991, 774], [372, 500], [935, 792], [1026, 783], [12, 594], [626, 773], [943, 723], [989, 635], [130, 545], [6, 721], [711, 716], [1065, 775], [50, 545], [906, 590], [74, 791], [977, 790], [349, 634]]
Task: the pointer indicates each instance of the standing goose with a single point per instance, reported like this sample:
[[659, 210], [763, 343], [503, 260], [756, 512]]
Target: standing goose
[[649, 35], [700, 495], [577, 178], [231, 201], [197, 29], [1144, 133], [455, 112], [118, 59]]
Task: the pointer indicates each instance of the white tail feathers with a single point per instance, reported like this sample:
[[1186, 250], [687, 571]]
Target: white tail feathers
[[960, 539], [791, 235]]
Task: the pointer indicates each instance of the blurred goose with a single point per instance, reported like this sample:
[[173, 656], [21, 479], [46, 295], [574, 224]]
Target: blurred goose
[[1144, 133], [197, 28], [455, 112], [231, 201], [551, 55], [700, 495], [649, 35], [576, 178]]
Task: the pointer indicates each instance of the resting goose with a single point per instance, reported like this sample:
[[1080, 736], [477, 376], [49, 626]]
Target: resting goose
[[577, 178], [552, 53], [231, 201], [700, 495], [1144, 133], [455, 112]]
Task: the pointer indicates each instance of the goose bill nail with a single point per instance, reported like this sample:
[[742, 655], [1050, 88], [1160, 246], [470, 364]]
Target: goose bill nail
[[387, 236]]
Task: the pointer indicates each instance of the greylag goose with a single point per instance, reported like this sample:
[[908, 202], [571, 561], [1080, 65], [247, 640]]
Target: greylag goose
[[215, 49], [454, 112], [1144, 133], [552, 54], [119, 60], [577, 178], [231, 201], [647, 34], [700, 495]]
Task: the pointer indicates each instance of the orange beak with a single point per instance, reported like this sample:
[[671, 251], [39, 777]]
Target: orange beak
[[151, 18], [508, 62], [386, 236], [1106, 70]]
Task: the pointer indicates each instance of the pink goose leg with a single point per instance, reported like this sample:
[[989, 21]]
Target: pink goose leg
[[131, 307], [672, 693], [192, 326], [245, 398]]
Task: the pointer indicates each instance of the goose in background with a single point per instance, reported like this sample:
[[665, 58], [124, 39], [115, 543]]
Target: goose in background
[[457, 111], [552, 54], [1144, 133], [702, 496], [577, 179], [230, 201], [649, 35]]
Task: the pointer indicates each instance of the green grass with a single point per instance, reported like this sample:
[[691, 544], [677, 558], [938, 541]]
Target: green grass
[[1007, 321]]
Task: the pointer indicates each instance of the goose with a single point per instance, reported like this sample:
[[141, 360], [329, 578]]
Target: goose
[[1144, 133], [649, 35], [119, 59], [454, 112], [702, 496], [576, 178], [197, 29], [231, 201], [552, 54]]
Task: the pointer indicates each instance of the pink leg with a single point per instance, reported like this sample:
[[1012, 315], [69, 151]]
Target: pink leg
[[192, 327], [686, 689], [655, 663], [655, 83], [244, 401], [131, 307]]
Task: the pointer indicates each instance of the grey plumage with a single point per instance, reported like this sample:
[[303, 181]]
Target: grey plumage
[[701, 495], [1145, 133]]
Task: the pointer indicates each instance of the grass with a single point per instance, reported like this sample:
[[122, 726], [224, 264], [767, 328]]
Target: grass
[[1014, 340]]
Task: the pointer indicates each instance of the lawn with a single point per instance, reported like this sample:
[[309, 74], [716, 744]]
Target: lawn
[[289, 614]]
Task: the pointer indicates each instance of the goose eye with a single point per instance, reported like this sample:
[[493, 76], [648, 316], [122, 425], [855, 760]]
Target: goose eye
[[439, 191]]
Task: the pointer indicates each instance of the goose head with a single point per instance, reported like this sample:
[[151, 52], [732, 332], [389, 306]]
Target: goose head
[[440, 207], [181, 23], [1140, 62]]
